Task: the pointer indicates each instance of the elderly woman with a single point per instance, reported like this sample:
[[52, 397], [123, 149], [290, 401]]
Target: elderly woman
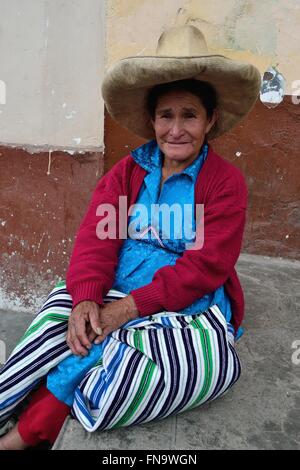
[[144, 326]]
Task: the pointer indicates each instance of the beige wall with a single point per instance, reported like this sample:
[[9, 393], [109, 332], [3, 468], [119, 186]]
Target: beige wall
[[51, 67], [52, 54], [264, 32]]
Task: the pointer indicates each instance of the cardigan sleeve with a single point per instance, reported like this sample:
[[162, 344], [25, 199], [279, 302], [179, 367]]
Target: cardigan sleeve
[[91, 270], [200, 271]]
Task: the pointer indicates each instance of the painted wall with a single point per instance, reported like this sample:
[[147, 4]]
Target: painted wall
[[52, 55], [263, 32], [51, 138], [41, 206]]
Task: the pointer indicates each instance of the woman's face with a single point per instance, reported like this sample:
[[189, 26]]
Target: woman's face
[[180, 126]]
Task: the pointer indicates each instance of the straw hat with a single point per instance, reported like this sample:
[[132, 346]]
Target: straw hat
[[181, 53]]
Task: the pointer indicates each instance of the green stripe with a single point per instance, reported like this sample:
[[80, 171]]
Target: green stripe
[[60, 284], [208, 362], [99, 362], [140, 394], [54, 317], [138, 341]]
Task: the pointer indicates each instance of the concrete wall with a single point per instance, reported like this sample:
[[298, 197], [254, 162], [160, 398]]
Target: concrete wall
[[52, 54]]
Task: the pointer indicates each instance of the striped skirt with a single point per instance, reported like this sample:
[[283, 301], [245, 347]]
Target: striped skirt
[[150, 368]]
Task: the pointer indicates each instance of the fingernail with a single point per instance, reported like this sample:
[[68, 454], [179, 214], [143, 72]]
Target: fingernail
[[99, 331]]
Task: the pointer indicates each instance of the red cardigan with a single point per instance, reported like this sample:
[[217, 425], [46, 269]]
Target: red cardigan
[[221, 188]]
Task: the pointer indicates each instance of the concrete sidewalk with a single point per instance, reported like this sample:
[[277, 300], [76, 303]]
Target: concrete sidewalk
[[262, 411]]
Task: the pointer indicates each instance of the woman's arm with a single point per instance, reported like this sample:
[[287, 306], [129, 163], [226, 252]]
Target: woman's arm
[[93, 262]]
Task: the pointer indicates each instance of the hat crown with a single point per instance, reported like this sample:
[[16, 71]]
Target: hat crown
[[182, 41]]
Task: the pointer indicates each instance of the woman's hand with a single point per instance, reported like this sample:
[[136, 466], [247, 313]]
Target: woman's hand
[[115, 314], [84, 326]]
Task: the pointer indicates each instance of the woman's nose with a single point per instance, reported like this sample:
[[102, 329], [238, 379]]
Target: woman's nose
[[176, 127]]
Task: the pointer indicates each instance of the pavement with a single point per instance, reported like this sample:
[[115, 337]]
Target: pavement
[[261, 411]]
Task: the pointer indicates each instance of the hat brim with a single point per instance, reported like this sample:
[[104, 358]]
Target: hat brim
[[127, 83]]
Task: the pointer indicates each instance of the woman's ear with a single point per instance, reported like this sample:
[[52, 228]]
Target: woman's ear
[[212, 121]]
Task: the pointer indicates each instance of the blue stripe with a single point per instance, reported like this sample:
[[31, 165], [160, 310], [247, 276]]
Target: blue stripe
[[123, 389], [56, 303], [58, 292], [51, 332], [174, 366], [30, 368], [192, 369], [107, 378], [222, 350], [16, 396], [80, 403], [156, 395]]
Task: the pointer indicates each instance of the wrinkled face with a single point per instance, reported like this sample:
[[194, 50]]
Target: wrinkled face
[[180, 126]]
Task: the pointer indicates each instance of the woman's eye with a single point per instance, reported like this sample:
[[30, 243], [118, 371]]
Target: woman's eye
[[190, 116]]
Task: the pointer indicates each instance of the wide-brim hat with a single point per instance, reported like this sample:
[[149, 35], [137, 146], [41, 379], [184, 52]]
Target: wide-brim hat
[[181, 54]]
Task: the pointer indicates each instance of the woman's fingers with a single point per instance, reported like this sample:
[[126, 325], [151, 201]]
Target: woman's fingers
[[95, 320], [79, 339], [89, 322], [84, 327], [74, 342], [99, 339], [90, 333], [81, 334], [105, 332]]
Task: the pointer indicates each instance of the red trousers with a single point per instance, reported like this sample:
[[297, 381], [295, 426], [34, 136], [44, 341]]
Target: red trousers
[[43, 418]]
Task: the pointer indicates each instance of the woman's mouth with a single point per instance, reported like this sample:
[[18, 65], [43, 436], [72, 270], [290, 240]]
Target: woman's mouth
[[177, 143]]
